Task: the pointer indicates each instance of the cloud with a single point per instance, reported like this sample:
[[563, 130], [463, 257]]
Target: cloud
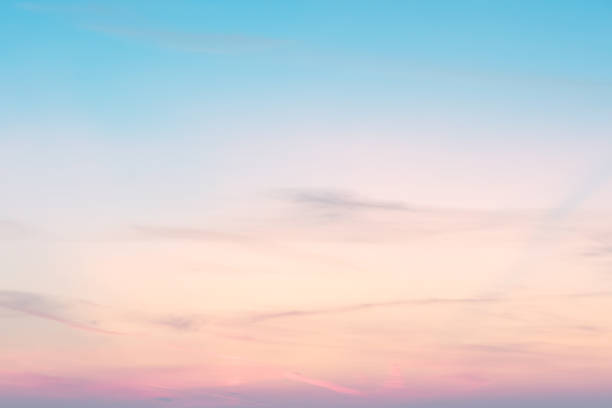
[[599, 252], [106, 17], [364, 306], [500, 348], [393, 219], [252, 240], [601, 294], [82, 8], [323, 384], [203, 397], [601, 248], [195, 234], [334, 199], [44, 307], [387, 221], [192, 42], [589, 328], [11, 230], [180, 323]]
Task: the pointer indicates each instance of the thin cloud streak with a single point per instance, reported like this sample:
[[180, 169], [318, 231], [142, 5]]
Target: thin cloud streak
[[92, 8], [392, 219], [44, 307], [191, 42], [364, 306], [250, 241], [342, 200], [500, 348], [184, 233], [13, 230], [322, 384], [602, 294], [211, 43], [180, 323]]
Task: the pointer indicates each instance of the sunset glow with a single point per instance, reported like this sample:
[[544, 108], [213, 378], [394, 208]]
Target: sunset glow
[[306, 204]]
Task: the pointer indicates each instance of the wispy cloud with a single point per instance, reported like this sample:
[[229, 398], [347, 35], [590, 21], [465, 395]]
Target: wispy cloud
[[364, 306], [602, 251], [323, 384], [85, 7], [590, 329], [600, 294], [600, 247], [180, 322], [192, 42], [500, 348], [10, 230], [45, 307], [342, 200], [184, 233], [253, 240], [336, 199], [396, 219], [106, 17]]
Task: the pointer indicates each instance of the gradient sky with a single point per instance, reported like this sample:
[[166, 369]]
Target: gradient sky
[[305, 203]]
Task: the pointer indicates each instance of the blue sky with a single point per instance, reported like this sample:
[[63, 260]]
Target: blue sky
[[472, 60]]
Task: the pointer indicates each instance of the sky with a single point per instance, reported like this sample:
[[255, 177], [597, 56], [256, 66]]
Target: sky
[[305, 203]]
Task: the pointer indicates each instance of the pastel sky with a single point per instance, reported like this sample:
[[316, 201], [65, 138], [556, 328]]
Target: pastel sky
[[323, 203]]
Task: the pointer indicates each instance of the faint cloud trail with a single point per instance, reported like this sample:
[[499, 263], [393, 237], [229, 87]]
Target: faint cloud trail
[[191, 42], [44, 307], [543, 234], [364, 306], [322, 384]]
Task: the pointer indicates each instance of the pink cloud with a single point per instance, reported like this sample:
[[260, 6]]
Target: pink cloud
[[323, 384], [68, 323]]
